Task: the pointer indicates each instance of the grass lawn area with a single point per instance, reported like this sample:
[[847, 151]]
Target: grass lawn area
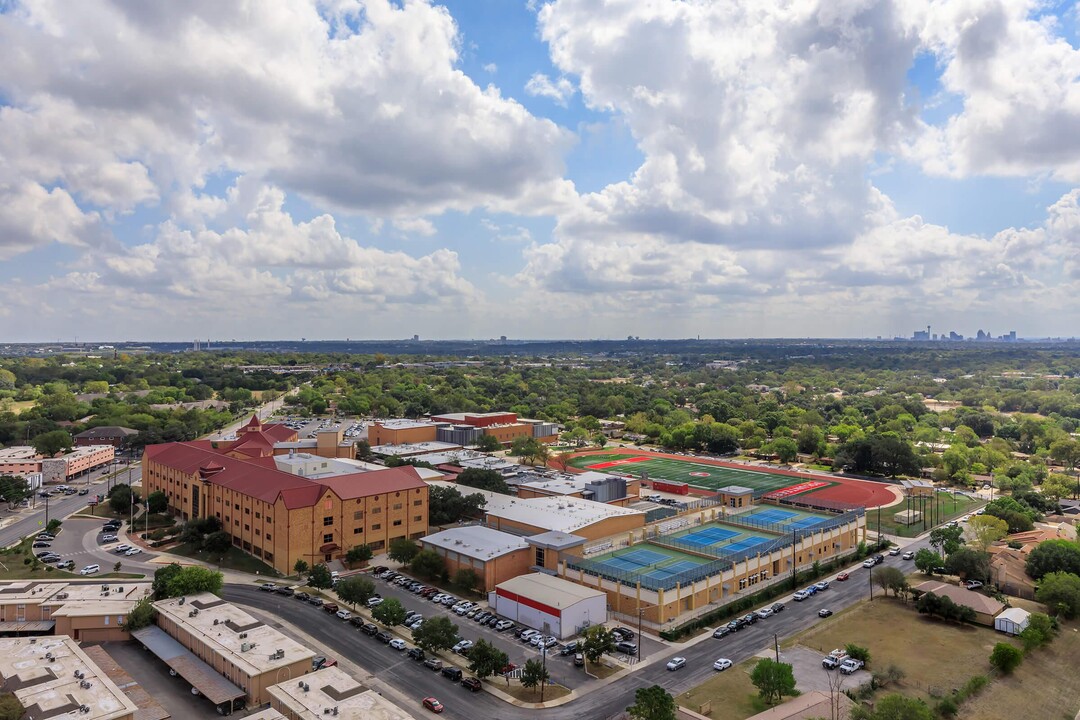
[[14, 568], [935, 656], [532, 695], [602, 671], [103, 511], [17, 406], [234, 559], [1046, 685], [730, 693], [949, 510]]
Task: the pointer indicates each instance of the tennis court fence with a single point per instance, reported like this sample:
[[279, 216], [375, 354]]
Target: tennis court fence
[[649, 582]]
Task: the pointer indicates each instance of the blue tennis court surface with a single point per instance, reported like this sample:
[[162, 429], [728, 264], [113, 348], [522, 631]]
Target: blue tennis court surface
[[773, 515], [745, 544], [784, 519], [709, 536]]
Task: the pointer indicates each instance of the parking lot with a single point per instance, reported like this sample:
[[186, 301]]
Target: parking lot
[[80, 542], [306, 427]]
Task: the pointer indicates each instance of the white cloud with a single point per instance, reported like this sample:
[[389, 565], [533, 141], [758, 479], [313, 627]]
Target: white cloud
[[31, 217], [558, 90], [491, 68], [415, 226]]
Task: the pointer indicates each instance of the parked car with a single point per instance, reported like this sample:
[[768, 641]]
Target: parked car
[[397, 644], [132, 551], [356, 621], [721, 664], [41, 544], [626, 648], [285, 590], [416, 654], [503, 625], [528, 635], [344, 615], [676, 663], [65, 565], [107, 539], [908, 555], [822, 585], [763, 613], [824, 612], [850, 665], [384, 637], [453, 673], [471, 683], [42, 553], [89, 569], [878, 559], [579, 660], [749, 618], [722, 631], [433, 663], [569, 648], [379, 569], [894, 551], [316, 601], [868, 563], [462, 646], [331, 608], [369, 629], [842, 577], [777, 607], [833, 659], [372, 602], [433, 705], [800, 596], [268, 587], [626, 633], [84, 491], [973, 584]]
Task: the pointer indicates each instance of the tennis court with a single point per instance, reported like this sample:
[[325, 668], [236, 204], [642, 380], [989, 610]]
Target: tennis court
[[650, 561], [788, 518], [697, 474], [717, 536]]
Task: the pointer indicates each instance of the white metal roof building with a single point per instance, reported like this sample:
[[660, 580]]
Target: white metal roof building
[[475, 541], [549, 604], [1012, 621], [564, 514]]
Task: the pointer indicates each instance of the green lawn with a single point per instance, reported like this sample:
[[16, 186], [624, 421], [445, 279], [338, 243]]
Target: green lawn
[[234, 559], [950, 507], [15, 567]]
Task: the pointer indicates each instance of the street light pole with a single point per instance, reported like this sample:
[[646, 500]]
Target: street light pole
[[776, 646], [871, 576]]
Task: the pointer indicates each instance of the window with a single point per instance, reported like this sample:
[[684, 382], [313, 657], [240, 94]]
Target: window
[[236, 506], [267, 537], [269, 557], [246, 526], [236, 521], [376, 510], [397, 494], [328, 538], [257, 532], [376, 526], [417, 503], [397, 506], [269, 519], [358, 531], [540, 557], [416, 518], [226, 518], [358, 515], [377, 545], [258, 515], [218, 515], [328, 520], [247, 511], [397, 523]]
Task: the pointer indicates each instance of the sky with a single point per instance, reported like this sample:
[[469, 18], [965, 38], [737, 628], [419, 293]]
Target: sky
[[277, 169]]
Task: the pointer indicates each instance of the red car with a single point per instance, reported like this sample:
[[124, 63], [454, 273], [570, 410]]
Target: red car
[[842, 577], [433, 705]]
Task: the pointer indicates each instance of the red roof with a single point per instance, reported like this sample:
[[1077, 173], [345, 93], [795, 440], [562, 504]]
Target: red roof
[[254, 421], [260, 478]]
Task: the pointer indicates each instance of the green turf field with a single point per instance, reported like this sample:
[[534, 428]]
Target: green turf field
[[680, 471]]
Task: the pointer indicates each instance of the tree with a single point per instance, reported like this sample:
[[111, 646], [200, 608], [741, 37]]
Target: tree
[[947, 539], [653, 703], [533, 674], [784, 448], [926, 560], [300, 568], [122, 499], [1057, 486], [489, 480], [319, 576], [141, 615], [986, 530], [10, 707], [485, 659], [489, 443], [898, 707], [363, 450], [117, 566], [598, 641], [435, 634], [1060, 592], [1005, 657], [890, 578], [858, 652], [49, 444], [358, 554], [428, 563], [969, 564], [192, 580], [157, 501], [773, 680], [355, 590], [389, 612], [162, 577], [447, 506], [1054, 556], [1039, 632], [13, 489], [467, 578], [403, 550], [217, 544]]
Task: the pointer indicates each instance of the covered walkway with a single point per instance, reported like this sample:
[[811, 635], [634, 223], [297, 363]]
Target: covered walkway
[[212, 685]]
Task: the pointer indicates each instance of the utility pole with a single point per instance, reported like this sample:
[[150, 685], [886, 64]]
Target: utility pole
[[640, 615], [776, 646], [871, 576]]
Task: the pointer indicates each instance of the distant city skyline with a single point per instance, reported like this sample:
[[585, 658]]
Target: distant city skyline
[[562, 169]]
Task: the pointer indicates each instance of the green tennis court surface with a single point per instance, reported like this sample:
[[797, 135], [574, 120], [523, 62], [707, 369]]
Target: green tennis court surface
[[648, 560], [708, 477]]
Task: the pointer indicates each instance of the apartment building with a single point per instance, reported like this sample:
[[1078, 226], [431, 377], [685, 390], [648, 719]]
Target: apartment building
[[24, 460], [85, 611], [330, 692]]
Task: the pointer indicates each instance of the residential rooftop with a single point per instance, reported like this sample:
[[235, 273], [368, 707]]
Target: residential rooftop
[[52, 676], [476, 541], [243, 640], [317, 696]]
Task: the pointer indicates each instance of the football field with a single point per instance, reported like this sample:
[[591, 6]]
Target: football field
[[697, 474]]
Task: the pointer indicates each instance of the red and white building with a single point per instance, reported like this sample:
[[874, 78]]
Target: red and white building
[[550, 604]]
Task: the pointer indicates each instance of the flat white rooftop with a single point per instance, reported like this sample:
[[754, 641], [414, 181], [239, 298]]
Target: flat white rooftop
[[419, 448], [403, 424], [220, 625], [317, 695], [565, 514], [552, 591], [18, 452], [566, 483], [74, 598], [476, 541], [52, 676]]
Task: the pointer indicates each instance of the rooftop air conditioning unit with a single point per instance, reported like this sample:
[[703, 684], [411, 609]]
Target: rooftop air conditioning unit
[[306, 687], [243, 635], [120, 588], [104, 587], [86, 684], [191, 614], [49, 656], [244, 647], [335, 710], [216, 621], [84, 708], [195, 611], [181, 602]]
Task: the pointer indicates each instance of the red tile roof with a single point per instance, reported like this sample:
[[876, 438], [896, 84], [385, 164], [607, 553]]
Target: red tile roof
[[260, 478]]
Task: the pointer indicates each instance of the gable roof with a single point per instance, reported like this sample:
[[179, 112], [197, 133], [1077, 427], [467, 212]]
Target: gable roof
[[962, 596], [106, 431]]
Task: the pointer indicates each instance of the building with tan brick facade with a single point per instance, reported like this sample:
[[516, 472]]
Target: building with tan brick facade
[[493, 555], [92, 611], [281, 517]]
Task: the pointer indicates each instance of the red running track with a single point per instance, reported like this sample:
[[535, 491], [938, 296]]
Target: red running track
[[866, 493]]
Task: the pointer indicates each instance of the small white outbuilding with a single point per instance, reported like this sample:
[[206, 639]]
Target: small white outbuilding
[[1012, 621]]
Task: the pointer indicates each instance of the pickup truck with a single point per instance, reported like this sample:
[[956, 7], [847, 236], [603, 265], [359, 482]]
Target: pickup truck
[[850, 665], [834, 659]]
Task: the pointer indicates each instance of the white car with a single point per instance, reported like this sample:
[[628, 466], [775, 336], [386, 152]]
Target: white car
[[122, 548], [721, 664], [676, 663], [868, 563], [528, 635], [89, 569], [397, 644], [463, 645], [416, 623], [503, 625], [438, 597], [133, 551], [108, 538], [344, 614], [374, 601]]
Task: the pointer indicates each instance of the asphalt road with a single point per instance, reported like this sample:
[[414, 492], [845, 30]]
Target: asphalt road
[[605, 701]]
